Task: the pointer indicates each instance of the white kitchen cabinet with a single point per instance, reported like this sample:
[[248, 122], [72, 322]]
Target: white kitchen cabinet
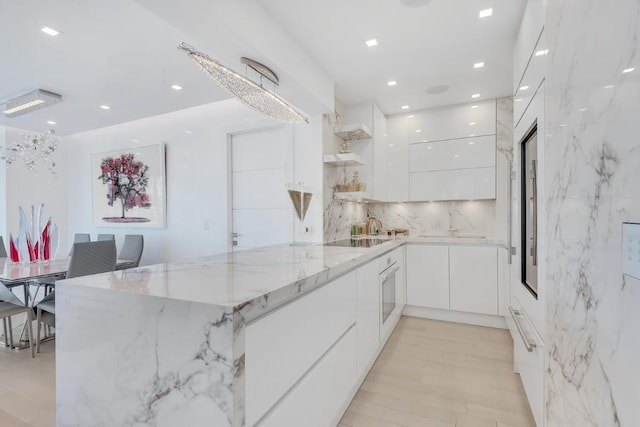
[[283, 345], [428, 276], [453, 122], [461, 184], [467, 153], [474, 279], [368, 315], [317, 400], [398, 159]]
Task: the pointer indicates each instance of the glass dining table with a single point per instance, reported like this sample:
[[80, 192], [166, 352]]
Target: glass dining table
[[13, 275]]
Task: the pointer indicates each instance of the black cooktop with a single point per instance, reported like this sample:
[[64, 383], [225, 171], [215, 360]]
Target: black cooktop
[[357, 243]]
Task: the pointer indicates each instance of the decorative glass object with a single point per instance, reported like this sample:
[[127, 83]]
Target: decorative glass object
[[301, 199], [35, 241], [34, 150]]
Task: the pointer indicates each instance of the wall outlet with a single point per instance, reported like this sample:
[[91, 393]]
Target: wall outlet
[[308, 229], [631, 249]]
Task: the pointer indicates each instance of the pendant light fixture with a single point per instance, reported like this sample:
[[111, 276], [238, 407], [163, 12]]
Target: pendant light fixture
[[250, 93]]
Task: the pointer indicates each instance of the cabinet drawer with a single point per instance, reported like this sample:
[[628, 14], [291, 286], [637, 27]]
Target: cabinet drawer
[[319, 397], [282, 346], [530, 365]]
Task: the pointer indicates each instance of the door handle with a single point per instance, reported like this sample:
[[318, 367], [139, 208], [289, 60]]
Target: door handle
[[515, 314], [534, 213]]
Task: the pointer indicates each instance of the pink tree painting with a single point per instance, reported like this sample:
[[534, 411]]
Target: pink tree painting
[[127, 180]]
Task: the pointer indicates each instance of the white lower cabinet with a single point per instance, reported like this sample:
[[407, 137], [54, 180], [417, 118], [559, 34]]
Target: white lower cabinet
[[473, 281], [283, 345], [529, 364], [368, 315], [461, 278], [428, 276], [317, 399]]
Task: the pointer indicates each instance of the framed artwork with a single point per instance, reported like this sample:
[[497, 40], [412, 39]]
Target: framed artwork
[[129, 187]]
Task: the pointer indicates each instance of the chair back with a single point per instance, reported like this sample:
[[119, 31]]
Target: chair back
[[80, 238], [92, 258], [103, 237], [3, 250], [132, 248]]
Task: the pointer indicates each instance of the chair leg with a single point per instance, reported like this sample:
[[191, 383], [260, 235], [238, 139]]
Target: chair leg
[[10, 332], [30, 331], [38, 326], [4, 325]]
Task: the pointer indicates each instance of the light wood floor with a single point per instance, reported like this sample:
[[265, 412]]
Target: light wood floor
[[442, 374]]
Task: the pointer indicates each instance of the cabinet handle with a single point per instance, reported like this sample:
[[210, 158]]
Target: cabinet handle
[[515, 314], [390, 273], [534, 212]]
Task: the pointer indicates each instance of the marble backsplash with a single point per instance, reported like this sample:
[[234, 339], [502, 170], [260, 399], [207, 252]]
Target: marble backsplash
[[468, 218]]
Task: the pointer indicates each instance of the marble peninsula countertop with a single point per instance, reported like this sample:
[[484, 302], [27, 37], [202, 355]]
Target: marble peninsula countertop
[[252, 281]]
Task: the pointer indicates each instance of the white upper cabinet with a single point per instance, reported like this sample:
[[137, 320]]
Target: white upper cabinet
[[477, 152], [398, 159], [460, 121], [461, 184]]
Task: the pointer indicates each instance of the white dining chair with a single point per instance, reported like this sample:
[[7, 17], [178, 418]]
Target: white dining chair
[[87, 258], [132, 249]]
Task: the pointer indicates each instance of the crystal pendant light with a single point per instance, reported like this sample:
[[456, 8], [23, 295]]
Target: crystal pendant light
[[250, 93]]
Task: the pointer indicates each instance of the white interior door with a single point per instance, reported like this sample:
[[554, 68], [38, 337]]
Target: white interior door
[[261, 166]]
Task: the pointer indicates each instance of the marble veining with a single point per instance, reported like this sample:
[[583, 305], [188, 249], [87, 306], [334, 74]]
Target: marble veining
[[591, 181]]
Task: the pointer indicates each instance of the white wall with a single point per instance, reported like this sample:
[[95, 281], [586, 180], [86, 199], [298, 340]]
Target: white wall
[[26, 188], [197, 181], [3, 192]]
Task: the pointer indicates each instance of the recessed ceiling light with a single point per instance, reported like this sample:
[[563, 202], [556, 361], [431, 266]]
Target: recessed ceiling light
[[411, 116], [471, 142], [188, 132], [628, 70], [51, 122], [405, 107], [582, 110], [176, 87], [472, 123], [485, 12], [456, 156], [478, 65], [418, 130], [542, 52], [392, 83], [105, 107], [518, 99], [524, 87], [474, 106], [609, 86], [372, 42], [49, 31], [475, 95]]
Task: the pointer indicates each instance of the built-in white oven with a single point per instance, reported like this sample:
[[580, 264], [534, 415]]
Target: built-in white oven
[[390, 282]]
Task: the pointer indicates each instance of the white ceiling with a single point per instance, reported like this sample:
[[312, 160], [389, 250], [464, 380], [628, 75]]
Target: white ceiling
[[109, 52], [419, 47], [123, 53]]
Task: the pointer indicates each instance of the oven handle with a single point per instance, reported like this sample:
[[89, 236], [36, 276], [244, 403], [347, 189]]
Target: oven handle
[[388, 273], [515, 314]]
